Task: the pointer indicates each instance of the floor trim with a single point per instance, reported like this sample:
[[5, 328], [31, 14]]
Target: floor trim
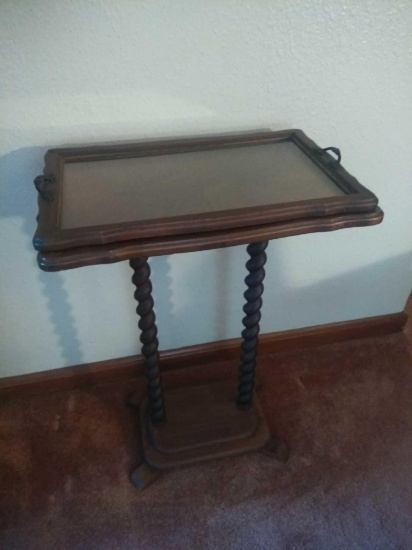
[[126, 367]]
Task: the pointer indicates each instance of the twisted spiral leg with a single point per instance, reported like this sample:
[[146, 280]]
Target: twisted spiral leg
[[148, 337], [253, 295]]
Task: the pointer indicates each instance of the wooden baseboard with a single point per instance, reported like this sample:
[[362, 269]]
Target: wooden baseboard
[[127, 367]]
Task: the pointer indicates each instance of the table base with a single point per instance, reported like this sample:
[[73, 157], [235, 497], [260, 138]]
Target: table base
[[202, 424]]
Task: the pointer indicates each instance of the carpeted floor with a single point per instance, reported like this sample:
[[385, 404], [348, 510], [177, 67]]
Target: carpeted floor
[[345, 410]]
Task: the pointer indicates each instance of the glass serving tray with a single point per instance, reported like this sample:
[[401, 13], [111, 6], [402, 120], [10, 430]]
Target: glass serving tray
[[95, 195]]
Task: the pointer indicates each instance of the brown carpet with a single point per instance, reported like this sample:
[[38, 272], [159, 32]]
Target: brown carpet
[[345, 410]]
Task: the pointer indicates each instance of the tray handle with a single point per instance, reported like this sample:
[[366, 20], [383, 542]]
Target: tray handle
[[45, 187], [334, 150]]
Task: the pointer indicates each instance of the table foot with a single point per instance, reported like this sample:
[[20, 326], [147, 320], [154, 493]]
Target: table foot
[[144, 476], [276, 449]]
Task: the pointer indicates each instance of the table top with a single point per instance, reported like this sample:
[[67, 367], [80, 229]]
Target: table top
[[198, 189]]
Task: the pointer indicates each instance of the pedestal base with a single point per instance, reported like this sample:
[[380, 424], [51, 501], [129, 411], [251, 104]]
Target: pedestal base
[[202, 423]]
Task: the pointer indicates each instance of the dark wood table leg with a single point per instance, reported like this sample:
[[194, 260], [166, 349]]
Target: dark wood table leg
[[254, 281], [144, 475], [148, 337], [253, 295]]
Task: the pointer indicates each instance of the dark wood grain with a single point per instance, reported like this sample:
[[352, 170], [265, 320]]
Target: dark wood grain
[[121, 368], [250, 334], [118, 252], [203, 424], [49, 235], [148, 338]]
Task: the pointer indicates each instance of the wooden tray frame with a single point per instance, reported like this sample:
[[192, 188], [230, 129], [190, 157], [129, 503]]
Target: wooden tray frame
[[121, 251], [49, 237]]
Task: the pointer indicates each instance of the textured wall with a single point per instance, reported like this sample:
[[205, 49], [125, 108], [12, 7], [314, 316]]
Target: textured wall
[[75, 72]]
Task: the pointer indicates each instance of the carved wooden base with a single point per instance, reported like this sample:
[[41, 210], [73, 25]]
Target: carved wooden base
[[203, 423]]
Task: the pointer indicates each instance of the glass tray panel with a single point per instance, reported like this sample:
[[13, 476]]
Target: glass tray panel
[[170, 185]]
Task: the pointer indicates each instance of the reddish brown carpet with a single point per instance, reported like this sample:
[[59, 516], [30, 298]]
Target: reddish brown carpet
[[345, 410]]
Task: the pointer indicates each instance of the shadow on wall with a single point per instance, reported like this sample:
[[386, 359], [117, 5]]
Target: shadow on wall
[[209, 300], [197, 292], [19, 200], [19, 206], [204, 290], [340, 297]]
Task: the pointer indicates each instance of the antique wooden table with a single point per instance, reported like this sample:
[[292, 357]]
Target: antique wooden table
[[103, 204]]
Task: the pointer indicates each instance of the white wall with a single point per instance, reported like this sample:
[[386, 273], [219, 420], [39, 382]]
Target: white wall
[[79, 72]]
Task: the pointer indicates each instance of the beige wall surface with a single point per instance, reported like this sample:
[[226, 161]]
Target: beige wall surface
[[77, 72]]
